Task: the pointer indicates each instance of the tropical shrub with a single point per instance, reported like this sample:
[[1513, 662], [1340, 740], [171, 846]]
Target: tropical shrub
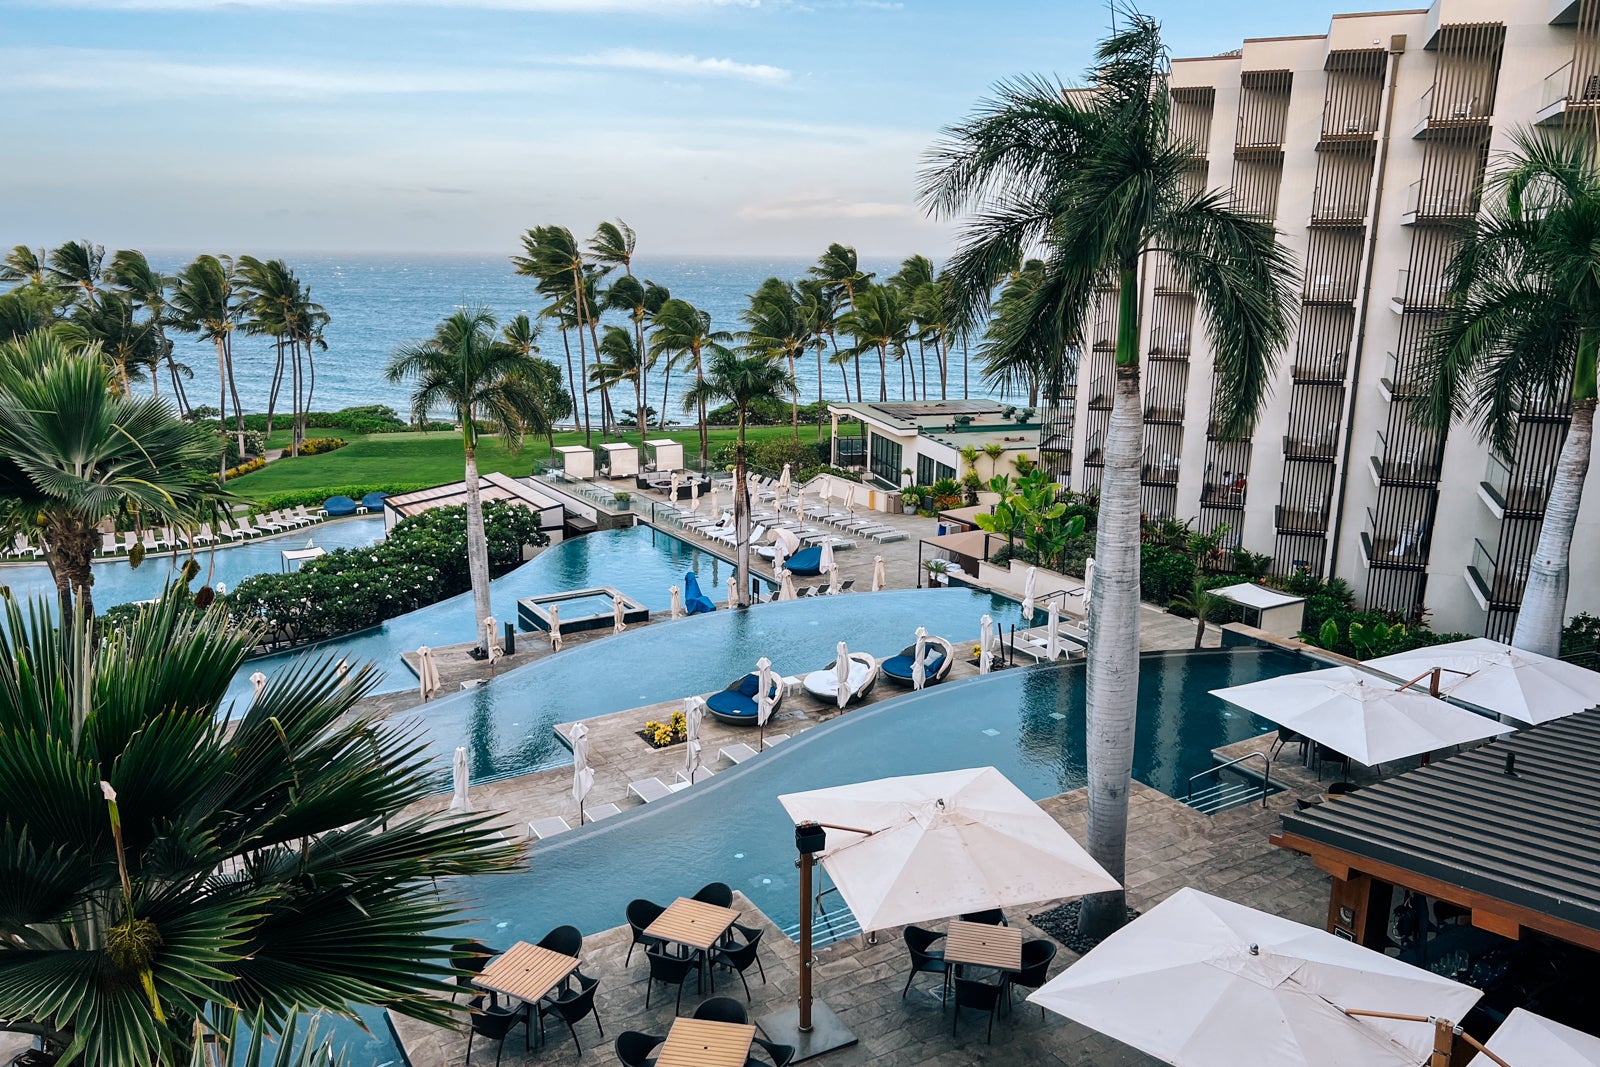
[[661, 734], [1580, 641], [1164, 573], [805, 459], [313, 446], [366, 419], [946, 494]]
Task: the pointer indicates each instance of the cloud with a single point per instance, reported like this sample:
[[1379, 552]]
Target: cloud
[[691, 66], [822, 208], [641, 7]]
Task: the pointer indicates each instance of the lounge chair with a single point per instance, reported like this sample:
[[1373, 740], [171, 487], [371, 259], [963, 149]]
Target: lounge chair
[[288, 518], [266, 524], [305, 513], [701, 773], [884, 538], [824, 684], [937, 657], [204, 536], [596, 812], [149, 541], [108, 544], [649, 790], [245, 530], [737, 703], [737, 753], [539, 829], [845, 586]]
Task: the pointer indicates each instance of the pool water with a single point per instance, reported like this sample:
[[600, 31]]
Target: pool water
[[582, 607]]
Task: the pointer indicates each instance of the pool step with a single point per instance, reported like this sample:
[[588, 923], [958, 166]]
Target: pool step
[[1225, 796], [826, 927]]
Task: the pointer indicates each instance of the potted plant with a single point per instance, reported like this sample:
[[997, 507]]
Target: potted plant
[[909, 499], [938, 571], [622, 500]]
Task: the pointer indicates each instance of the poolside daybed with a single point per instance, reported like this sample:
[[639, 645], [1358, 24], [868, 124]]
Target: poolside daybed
[[339, 506], [937, 657], [737, 703], [824, 684], [807, 561]]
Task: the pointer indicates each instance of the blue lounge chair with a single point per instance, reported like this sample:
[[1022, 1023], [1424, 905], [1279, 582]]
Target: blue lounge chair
[[737, 703], [937, 656], [807, 561], [373, 501], [339, 506], [694, 601]]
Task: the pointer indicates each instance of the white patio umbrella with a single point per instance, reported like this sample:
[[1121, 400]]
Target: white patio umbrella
[[784, 545], [825, 488], [1509, 681], [879, 582], [582, 774], [733, 590], [673, 492], [677, 602], [711, 506], [1529, 1039], [618, 615], [555, 628], [258, 682], [1052, 639], [1202, 982], [460, 778], [693, 709], [343, 668], [985, 645], [1088, 581], [943, 844], [694, 498], [783, 482], [1360, 715], [491, 640], [800, 501], [919, 670], [786, 586], [841, 671], [825, 563], [764, 683], [1027, 596], [427, 672]]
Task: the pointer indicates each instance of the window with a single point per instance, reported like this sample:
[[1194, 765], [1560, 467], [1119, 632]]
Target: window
[[886, 459], [930, 471]]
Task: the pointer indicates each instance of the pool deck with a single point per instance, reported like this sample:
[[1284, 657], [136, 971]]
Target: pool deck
[[1170, 846]]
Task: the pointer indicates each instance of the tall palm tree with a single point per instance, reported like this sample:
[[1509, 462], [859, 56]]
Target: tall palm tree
[[880, 322], [172, 869], [551, 395], [777, 327], [306, 322], [485, 383], [1088, 183], [621, 362], [553, 257], [128, 344], [1521, 330], [130, 273], [742, 381], [684, 335], [819, 305], [75, 266], [271, 295], [1008, 365], [74, 452], [206, 302], [26, 266], [639, 300], [915, 272], [840, 269]]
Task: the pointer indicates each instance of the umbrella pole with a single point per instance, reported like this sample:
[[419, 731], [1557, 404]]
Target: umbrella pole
[[806, 865]]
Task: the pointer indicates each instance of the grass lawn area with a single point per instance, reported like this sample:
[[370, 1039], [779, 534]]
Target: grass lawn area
[[434, 458]]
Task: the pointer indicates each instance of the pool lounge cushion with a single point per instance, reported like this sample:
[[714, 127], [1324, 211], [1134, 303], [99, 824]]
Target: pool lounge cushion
[[732, 703], [936, 663], [750, 686]]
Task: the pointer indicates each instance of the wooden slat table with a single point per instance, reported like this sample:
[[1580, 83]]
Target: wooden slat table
[[983, 945], [701, 1043], [693, 923], [526, 972]]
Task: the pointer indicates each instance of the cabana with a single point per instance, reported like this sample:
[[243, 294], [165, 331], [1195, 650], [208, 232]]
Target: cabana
[[937, 657], [1272, 611], [577, 461], [621, 459], [665, 454]]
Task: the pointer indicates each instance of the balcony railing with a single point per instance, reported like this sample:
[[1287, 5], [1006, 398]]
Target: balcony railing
[[1323, 369], [1339, 202], [1322, 446], [1557, 84], [1172, 344], [1400, 380], [1499, 586], [1405, 464], [1419, 292], [1100, 394], [1301, 520], [1162, 473], [1523, 495], [1434, 200], [1329, 289], [1395, 545], [1164, 414], [1224, 494], [1094, 451]]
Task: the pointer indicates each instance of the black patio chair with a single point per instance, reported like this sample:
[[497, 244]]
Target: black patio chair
[[741, 954], [924, 958], [493, 1024], [634, 1048], [572, 1007], [781, 1055], [718, 893], [1037, 955], [977, 995], [722, 1010], [641, 913], [567, 940], [1288, 737], [673, 970], [991, 917], [472, 957]]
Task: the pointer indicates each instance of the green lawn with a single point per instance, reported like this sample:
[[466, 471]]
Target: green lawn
[[433, 458]]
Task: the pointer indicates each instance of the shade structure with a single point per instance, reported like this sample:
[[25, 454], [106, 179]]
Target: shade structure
[[985, 645], [1359, 715], [786, 585], [1508, 681], [1052, 638], [1027, 596], [879, 582], [944, 844], [1198, 981], [677, 602], [825, 565], [618, 615], [783, 481], [1526, 1038], [693, 711], [555, 628], [258, 682], [841, 671], [582, 773], [460, 780], [491, 639], [919, 670], [427, 673]]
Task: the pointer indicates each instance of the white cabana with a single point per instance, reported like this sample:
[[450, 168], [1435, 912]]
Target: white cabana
[[555, 628], [491, 640], [460, 781], [677, 602], [693, 710], [1272, 611], [666, 453], [622, 459], [1198, 981], [258, 682], [427, 673], [1027, 596], [1508, 681], [879, 581], [1529, 1040], [577, 461], [943, 844], [919, 670], [765, 680], [619, 612], [582, 773], [786, 585], [985, 645], [1360, 715]]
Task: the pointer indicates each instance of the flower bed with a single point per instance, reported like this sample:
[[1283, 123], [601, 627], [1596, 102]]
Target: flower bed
[[316, 446], [248, 467], [675, 731]]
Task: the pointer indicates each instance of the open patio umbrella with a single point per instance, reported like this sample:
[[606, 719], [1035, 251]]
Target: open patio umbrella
[[555, 628], [460, 779], [1526, 1038], [427, 672], [258, 682], [764, 684], [491, 640], [1202, 982], [1027, 596], [1360, 715], [985, 645], [919, 670], [879, 582], [841, 671], [943, 844], [693, 710], [677, 602], [786, 586], [825, 564], [1052, 638], [1508, 681], [618, 615], [582, 774]]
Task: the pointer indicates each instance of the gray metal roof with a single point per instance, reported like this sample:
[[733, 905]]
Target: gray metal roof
[[1532, 839]]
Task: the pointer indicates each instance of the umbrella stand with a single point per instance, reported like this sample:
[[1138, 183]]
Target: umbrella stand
[[1445, 1033]]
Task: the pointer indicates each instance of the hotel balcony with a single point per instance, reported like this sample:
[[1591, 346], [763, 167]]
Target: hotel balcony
[[1320, 448], [1404, 465], [1100, 394], [1415, 292], [1520, 496], [1301, 521], [1468, 107], [1339, 203], [1395, 546], [1572, 91], [1494, 586], [1224, 495], [1163, 473], [1442, 201], [1400, 381], [1164, 414], [1320, 370]]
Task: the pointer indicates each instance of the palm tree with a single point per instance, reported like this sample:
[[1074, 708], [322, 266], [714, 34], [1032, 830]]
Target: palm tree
[[551, 396], [879, 321], [75, 452], [174, 870], [915, 272], [1521, 331], [819, 307], [1015, 358], [683, 333], [76, 267], [271, 294], [130, 346], [465, 368], [639, 301], [25, 309], [206, 301], [778, 329], [1089, 182], [742, 381], [131, 275], [27, 266], [840, 270], [307, 319], [554, 258], [621, 362], [1202, 604]]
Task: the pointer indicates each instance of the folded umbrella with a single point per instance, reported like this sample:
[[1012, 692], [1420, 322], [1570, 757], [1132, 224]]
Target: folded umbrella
[[919, 670], [841, 670]]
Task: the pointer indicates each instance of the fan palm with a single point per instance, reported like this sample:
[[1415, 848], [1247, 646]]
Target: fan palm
[[169, 870], [1089, 182], [483, 382], [75, 266], [74, 452], [1521, 331], [742, 381], [880, 322], [839, 269], [206, 302], [777, 327], [684, 335], [131, 275]]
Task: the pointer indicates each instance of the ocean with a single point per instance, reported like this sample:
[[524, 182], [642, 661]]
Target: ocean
[[379, 301]]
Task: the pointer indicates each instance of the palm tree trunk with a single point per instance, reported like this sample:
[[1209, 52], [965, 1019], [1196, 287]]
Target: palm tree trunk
[[700, 381], [578, 300], [296, 431], [966, 362], [741, 519], [819, 392], [794, 401], [666, 385], [883, 374], [572, 379], [1544, 596], [222, 403], [477, 540], [1113, 660], [233, 388], [638, 404], [277, 384]]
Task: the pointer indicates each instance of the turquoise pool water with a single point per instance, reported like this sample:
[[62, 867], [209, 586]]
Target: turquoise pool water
[[581, 607]]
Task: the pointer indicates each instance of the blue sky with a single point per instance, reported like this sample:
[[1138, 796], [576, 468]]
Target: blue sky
[[712, 126]]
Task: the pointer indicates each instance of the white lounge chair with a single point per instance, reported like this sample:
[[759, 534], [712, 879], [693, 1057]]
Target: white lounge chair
[[700, 775], [149, 541], [596, 812], [650, 790], [232, 534], [303, 512], [108, 544], [264, 524], [129, 539], [204, 536], [737, 754], [539, 829]]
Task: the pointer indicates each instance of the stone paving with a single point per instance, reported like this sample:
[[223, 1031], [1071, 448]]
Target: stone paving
[[1170, 846]]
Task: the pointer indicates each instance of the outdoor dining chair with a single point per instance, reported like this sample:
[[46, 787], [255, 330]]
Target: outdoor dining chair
[[977, 995], [924, 958], [494, 1024], [740, 955], [567, 940], [572, 1007], [718, 893], [641, 913], [673, 970], [722, 1010], [472, 957], [1037, 955], [634, 1048], [991, 917], [781, 1055]]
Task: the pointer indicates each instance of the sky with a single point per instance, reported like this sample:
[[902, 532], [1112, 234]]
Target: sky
[[743, 127]]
